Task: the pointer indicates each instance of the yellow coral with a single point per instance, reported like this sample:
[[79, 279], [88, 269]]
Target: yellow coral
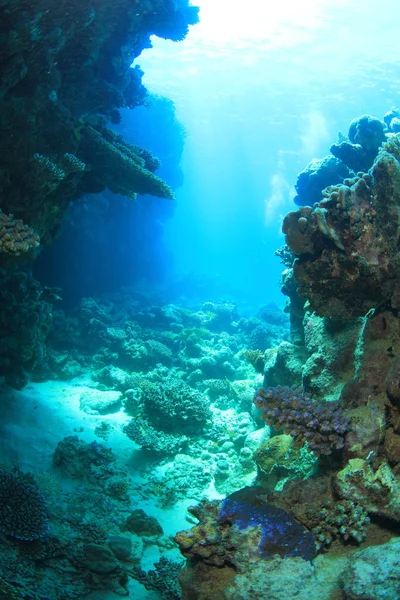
[[16, 238]]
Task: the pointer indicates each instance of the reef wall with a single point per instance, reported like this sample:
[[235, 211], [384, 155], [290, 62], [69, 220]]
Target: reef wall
[[65, 73], [332, 391]]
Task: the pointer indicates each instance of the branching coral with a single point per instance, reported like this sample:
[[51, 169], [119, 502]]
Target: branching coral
[[345, 519], [321, 425], [163, 578]]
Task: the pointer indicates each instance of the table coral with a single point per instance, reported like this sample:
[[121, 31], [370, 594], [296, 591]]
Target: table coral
[[122, 168]]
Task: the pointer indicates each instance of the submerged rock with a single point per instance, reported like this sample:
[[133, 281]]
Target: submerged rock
[[373, 573]]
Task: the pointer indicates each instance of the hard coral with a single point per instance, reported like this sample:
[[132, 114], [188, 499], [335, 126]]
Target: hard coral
[[16, 239], [345, 519], [346, 245], [171, 19], [231, 531], [79, 460], [119, 166], [256, 359], [59, 71], [25, 321], [173, 406], [148, 438], [321, 425], [163, 578], [22, 508]]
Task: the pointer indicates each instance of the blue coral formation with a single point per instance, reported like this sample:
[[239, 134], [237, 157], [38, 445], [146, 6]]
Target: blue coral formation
[[281, 534], [321, 424]]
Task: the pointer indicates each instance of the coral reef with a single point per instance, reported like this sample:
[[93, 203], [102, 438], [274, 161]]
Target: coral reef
[[25, 322], [163, 578], [63, 79], [318, 174], [148, 438], [142, 524], [16, 239], [79, 460], [346, 245], [230, 531], [173, 406], [346, 519], [256, 359], [321, 425], [22, 508], [366, 576], [280, 460]]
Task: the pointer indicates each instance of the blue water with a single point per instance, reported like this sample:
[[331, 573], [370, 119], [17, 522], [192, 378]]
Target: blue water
[[262, 89], [129, 392]]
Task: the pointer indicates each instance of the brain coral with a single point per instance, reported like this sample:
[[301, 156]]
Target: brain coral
[[22, 508]]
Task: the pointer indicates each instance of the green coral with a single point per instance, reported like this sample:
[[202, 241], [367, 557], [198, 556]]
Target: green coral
[[281, 461]]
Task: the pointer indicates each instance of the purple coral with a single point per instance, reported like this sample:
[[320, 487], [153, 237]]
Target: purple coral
[[321, 424], [281, 534]]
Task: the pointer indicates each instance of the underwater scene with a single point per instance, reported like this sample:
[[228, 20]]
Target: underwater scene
[[199, 300]]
